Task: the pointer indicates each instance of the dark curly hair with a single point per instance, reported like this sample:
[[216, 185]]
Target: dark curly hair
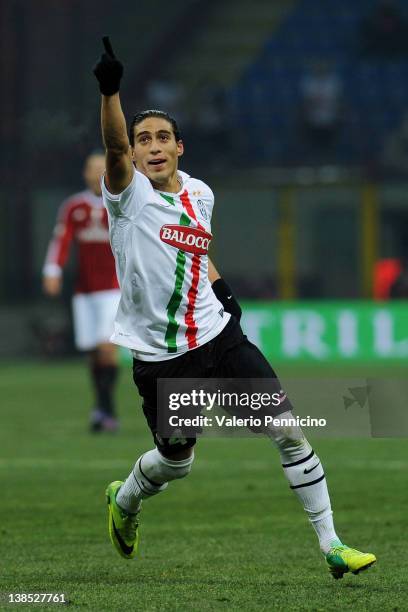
[[139, 117]]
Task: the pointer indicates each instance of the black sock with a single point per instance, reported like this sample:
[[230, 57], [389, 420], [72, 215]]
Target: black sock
[[104, 378]]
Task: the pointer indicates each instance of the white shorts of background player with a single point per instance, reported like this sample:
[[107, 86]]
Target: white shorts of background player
[[94, 314]]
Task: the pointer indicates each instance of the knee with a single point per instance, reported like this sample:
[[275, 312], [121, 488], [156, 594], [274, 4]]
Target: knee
[[161, 469], [286, 433], [106, 355], [289, 439], [177, 468], [173, 449]]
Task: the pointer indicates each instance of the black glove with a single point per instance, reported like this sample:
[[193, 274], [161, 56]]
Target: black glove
[[224, 294], [108, 70]]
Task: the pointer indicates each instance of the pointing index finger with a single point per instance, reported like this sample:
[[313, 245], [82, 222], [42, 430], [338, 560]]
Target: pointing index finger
[[108, 46]]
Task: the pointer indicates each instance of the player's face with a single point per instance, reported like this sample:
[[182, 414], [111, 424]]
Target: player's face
[[156, 152], [93, 170]]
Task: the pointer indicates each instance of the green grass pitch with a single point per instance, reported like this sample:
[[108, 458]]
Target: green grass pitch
[[229, 537]]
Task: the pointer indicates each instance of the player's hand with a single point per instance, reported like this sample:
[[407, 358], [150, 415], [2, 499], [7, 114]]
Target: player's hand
[[52, 285], [109, 70]]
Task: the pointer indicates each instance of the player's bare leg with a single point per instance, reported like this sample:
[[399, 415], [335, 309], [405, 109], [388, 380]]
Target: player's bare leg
[[304, 472], [104, 373]]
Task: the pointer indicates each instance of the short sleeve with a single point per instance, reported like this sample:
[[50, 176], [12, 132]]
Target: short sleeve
[[210, 202], [207, 197], [131, 200]]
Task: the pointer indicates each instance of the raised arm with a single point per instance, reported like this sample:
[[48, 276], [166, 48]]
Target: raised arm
[[119, 166]]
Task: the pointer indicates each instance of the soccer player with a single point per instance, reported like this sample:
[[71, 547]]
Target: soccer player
[[175, 314], [83, 219]]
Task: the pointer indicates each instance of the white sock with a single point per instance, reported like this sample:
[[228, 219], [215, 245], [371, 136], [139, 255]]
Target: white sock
[[150, 475], [304, 471]]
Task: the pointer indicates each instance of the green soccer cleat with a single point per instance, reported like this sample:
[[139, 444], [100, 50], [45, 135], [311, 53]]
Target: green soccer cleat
[[342, 559], [123, 527]]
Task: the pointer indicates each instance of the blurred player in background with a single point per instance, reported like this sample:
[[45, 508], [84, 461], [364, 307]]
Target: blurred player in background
[[83, 219], [180, 318]]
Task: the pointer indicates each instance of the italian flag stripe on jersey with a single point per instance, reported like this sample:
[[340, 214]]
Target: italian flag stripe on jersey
[[176, 296], [191, 332]]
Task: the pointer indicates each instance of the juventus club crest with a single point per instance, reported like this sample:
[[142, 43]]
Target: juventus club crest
[[202, 209]]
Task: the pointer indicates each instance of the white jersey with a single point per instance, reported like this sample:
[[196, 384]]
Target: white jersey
[[160, 242]]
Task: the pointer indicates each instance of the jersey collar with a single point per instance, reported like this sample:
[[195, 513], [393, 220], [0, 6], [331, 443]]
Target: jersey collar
[[183, 177]]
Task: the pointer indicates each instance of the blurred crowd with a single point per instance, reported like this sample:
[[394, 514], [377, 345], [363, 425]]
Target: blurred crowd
[[322, 124]]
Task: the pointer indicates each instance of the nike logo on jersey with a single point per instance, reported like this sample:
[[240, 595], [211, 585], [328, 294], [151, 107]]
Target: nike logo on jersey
[[306, 471], [190, 239]]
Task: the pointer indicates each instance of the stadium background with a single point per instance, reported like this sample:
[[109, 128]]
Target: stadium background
[[291, 222], [297, 233]]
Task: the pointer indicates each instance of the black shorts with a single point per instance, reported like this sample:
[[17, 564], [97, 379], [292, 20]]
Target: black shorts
[[228, 355]]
